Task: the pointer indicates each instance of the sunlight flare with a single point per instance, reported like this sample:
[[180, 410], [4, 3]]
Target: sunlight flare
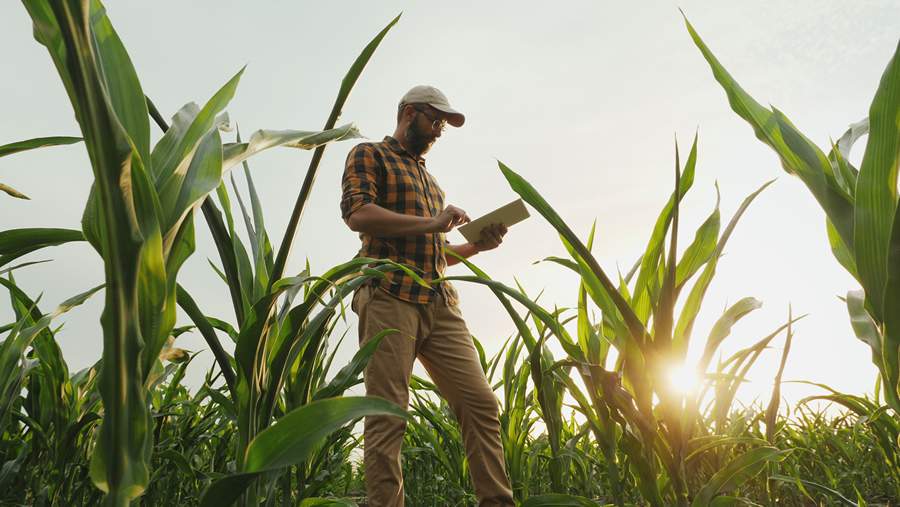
[[683, 379]]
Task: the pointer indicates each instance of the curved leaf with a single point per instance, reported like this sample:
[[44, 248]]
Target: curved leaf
[[37, 142], [702, 248], [292, 439], [10, 191], [736, 472], [15, 243], [695, 298], [797, 154], [348, 376], [264, 139]]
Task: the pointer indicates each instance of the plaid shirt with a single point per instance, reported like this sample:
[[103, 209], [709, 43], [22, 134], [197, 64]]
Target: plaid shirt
[[386, 174]]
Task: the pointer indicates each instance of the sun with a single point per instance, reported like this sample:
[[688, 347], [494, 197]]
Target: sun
[[683, 379]]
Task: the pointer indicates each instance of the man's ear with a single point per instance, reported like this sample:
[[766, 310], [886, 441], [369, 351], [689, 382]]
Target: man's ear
[[404, 112], [408, 111]]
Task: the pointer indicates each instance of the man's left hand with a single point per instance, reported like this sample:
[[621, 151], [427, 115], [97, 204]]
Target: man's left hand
[[491, 237]]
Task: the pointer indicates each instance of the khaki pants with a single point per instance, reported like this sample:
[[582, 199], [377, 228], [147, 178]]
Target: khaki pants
[[437, 335]]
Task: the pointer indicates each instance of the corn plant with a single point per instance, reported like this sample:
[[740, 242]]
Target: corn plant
[[860, 204], [638, 321], [58, 411], [139, 214]]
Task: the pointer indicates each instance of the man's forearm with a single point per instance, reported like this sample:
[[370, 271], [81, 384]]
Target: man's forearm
[[465, 250], [374, 220]]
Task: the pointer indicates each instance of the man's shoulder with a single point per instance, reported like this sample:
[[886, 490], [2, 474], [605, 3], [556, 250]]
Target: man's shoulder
[[367, 150], [370, 145]]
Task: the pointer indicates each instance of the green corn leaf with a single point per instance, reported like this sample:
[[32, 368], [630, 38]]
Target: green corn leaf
[[664, 305], [775, 399], [845, 143], [695, 298], [702, 248], [839, 156], [736, 472], [126, 97], [700, 445], [28, 327], [262, 140], [722, 328], [588, 338], [187, 303], [530, 195], [292, 439], [876, 189], [259, 272], [814, 486], [239, 273], [300, 334], [183, 190], [348, 376], [569, 345], [650, 260], [890, 351], [38, 142], [863, 325], [797, 154], [173, 149], [841, 251], [22, 265], [15, 243]]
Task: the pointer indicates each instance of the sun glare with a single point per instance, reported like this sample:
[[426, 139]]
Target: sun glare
[[683, 379]]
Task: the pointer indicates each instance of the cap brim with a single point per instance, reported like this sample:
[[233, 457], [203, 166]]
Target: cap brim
[[454, 117]]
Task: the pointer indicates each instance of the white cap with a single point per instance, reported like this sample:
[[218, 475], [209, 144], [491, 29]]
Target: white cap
[[430, 95]]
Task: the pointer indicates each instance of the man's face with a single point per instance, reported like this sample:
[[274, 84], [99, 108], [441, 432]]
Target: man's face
[[424, 129]]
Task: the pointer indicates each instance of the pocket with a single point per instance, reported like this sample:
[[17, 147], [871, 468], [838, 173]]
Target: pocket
[[360, 297]]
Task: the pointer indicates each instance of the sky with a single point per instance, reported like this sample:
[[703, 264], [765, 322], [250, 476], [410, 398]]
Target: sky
[[585, 100]]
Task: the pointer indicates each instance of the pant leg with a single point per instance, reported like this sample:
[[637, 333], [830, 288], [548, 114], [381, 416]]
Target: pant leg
[[452, 362], [387, 376]]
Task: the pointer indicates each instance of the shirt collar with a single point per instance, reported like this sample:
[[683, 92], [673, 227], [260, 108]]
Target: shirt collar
[[397, 147]]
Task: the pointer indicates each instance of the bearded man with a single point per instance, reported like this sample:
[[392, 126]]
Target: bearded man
[[398, 209]]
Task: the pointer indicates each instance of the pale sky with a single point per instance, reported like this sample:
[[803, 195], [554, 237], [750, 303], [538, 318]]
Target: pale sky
[[583, 99]]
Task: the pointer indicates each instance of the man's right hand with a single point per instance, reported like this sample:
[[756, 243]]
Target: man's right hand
[[450, 217]]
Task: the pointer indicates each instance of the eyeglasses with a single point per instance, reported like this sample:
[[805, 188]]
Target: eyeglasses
[[436, 123]]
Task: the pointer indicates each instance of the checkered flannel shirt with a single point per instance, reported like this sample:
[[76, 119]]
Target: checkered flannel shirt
[[386, 174]]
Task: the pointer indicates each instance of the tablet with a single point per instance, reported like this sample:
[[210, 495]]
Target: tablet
[[507, 215]]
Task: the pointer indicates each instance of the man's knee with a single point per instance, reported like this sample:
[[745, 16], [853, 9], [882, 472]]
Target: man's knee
[[384, 430], [481, 406]]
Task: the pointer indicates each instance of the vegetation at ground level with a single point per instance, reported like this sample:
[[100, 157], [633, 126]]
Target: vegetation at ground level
[[271, 425]]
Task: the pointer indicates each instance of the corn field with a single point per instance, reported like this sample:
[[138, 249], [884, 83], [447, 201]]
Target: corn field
[[598, 424]]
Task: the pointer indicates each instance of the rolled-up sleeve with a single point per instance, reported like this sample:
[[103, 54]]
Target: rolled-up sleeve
[[360, 182]]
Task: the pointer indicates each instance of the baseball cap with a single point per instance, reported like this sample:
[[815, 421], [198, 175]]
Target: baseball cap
[[423, 94]]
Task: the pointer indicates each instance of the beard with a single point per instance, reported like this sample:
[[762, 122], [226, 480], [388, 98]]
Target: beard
[[418, 141]]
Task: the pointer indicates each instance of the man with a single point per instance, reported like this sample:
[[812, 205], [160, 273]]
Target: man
[[398, 209]]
